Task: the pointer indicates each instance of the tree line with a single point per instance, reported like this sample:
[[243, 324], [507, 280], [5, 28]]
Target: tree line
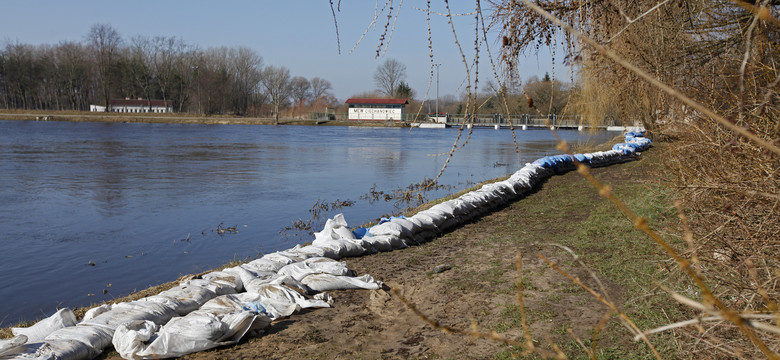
[[74, 75]]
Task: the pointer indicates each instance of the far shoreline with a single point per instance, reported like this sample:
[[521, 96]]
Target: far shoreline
[[178, 118]]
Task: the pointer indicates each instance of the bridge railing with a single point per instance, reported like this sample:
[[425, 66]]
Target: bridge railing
[[525, 119]]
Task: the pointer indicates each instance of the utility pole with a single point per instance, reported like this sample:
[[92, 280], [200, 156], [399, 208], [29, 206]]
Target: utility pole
[[437, 92]]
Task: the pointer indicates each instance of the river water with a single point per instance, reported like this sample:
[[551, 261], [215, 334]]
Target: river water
[[93, 211]]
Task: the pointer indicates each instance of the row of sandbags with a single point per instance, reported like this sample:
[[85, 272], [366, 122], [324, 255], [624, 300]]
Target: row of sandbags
[[400, 232], [223, 306], [218, 309]]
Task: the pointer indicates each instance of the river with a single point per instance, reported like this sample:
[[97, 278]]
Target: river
[[93, 211]]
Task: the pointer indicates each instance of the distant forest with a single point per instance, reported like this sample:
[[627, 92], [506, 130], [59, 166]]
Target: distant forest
[[104, 66]]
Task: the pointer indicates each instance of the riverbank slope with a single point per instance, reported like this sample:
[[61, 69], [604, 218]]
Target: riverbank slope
[[481, 284]]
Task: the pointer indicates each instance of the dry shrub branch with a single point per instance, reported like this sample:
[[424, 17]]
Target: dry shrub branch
[[702, 75], [709, 74]]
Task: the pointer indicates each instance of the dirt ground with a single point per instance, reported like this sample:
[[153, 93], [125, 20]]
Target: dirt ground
[[481, 286]]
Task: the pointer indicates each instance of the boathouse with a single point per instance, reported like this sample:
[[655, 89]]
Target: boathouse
[[377, 109]]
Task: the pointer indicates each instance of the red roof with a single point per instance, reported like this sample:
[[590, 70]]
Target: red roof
[[134, 102], [378, 101]]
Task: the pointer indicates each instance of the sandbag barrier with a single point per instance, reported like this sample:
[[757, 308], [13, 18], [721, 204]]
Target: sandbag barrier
[[223, 306]]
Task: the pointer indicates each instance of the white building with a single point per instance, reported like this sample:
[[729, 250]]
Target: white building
[[377, 109], [136, 106]]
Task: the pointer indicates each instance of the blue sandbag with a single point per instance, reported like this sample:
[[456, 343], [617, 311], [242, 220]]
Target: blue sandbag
[[360, 232]]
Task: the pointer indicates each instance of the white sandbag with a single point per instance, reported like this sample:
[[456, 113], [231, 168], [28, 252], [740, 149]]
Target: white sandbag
[[38, 331], [220, 321], [344, 247], [130, 338], [270, 262], [344, 233], [438, 217], [97, 337], [335, 229], [184, 335], [135, 310], [446, 209], [327, 282], [410, 228], [95, 311], [412, 241], [308, 251], [382, 242], [13, 346], [449, 224], [66, 350], [424, 221], [182, 299], [477, 200], [281, 301], [508, 188], [318, 266], [424, 236], [328, 252], [227, 277], [233, 303], [219, 288], [386, 228], [253, 280]]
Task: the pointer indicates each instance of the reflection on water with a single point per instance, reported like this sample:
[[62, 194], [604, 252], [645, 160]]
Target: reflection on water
[[83, 205]]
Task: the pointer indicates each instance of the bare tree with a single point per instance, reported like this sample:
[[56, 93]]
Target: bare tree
[[167, 52], [106, 41], [276, 81], [245, 66], [301, 90], [73, 73], [319, 87], [389, 75]]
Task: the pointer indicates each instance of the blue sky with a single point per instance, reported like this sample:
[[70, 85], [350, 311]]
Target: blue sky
[[299, 35]]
